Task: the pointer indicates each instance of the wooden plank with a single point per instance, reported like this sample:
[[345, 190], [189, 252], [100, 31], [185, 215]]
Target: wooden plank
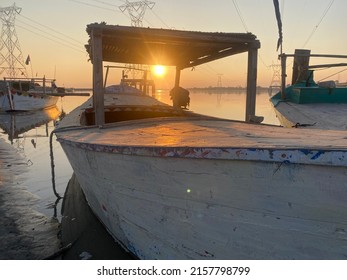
[[301, 62]]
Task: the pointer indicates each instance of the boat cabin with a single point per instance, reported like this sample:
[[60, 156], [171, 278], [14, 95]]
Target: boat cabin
[[44, 85], [182, 49]]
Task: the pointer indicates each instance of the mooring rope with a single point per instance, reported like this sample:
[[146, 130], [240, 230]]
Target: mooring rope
[[68, 128], [52, 164]]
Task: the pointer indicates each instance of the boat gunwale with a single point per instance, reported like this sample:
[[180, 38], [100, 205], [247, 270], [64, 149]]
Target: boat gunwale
[[282, 154]]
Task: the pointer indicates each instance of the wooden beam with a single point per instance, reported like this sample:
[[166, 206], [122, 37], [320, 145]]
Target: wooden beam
[[318, 55], [177, 77], [214, 56], [98, 93], [251, 83], [327, 65]]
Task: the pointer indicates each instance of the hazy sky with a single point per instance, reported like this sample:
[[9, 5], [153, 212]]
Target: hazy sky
[[53, 33]]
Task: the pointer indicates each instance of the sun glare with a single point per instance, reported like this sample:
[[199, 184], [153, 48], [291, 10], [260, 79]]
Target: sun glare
[[159, 70]]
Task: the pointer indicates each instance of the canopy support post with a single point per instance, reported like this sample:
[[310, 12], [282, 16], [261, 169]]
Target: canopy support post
[[98, 94], [283, 75], [251, 83], [177, 77], [145, 85]]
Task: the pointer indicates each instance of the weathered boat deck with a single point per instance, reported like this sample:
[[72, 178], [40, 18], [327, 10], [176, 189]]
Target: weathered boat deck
[[187, 132], [214, 139], [331, 116]]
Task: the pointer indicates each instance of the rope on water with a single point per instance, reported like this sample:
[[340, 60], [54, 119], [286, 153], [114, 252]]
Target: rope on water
[[52, 164], [70, 128]]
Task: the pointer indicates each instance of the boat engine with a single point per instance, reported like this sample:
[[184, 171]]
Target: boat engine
[[180, 97]]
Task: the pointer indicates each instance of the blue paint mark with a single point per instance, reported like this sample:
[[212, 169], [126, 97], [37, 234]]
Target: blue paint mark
[[305, 151], [317, 155]]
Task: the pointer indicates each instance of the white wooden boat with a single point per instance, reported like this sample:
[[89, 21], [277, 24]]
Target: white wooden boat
[[170, 184], [309, 104], [22, 94]]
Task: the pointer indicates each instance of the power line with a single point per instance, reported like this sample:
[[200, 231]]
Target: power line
[[245, 26], [319, 22], [56, 41], [45, 26], [240, 15], [262, 61], [90, 5], [160, 19], [106, 3], [99, 7], [333, 74], [49, 34]]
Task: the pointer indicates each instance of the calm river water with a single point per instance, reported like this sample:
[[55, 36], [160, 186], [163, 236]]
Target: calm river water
[[32, 223]]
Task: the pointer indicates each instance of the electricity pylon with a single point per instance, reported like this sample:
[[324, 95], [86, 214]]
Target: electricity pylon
[[219, 81], [276, 78], [11, 59], [136, 10]]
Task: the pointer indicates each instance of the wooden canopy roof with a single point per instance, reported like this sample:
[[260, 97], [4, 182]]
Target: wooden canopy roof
[[137, 45]]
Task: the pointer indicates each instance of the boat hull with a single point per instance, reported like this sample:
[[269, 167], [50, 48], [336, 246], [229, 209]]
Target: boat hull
[[27, 101], [326, 116], [199, 208]]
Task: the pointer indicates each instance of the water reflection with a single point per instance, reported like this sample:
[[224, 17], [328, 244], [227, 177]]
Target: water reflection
[[14, 124], [82, 233], [29, 229], [226, 103]]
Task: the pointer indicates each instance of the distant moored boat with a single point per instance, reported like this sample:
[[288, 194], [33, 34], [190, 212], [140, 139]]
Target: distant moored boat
[[27, 94]]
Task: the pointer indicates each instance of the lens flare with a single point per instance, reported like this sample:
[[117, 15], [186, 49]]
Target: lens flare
[[159, 70]]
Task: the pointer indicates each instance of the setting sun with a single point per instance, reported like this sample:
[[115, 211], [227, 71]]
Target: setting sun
[[159, 70]]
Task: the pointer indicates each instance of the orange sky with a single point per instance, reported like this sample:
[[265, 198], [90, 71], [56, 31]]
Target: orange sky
[[55, 39]]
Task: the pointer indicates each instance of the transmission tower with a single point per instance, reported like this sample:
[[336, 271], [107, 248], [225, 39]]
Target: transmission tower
[[276, 78], [219, 81], [11, 60], [136, 10]]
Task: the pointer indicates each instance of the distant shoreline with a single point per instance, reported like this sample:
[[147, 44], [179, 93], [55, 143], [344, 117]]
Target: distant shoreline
[[226, 88], [217, 89]]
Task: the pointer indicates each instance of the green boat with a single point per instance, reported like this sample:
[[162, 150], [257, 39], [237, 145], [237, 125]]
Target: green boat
[[306, 103]]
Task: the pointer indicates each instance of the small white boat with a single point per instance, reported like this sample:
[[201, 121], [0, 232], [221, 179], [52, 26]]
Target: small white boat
[[170, 184], [27, 94]]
